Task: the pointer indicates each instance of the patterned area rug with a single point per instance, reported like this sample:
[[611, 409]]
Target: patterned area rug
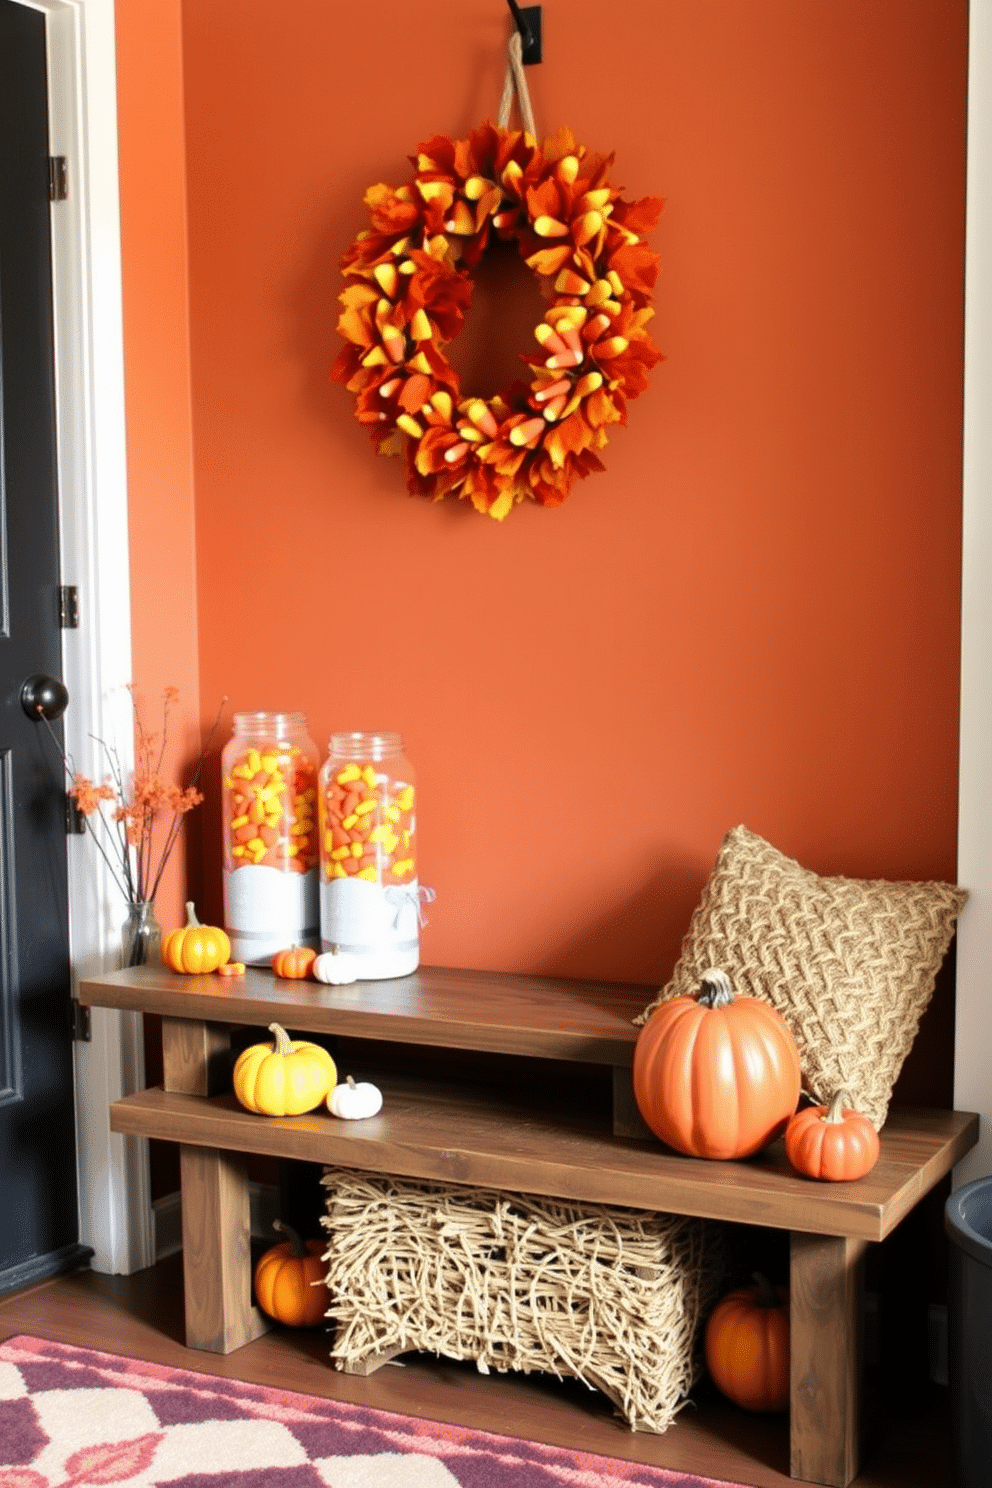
[[72, 1417]]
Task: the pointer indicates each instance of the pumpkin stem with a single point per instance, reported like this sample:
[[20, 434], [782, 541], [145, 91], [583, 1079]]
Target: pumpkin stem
[[766, 1295], [716, 990], [296, 1247], [351, 1081], [284, 1044], [192, 923], [836, 1112]]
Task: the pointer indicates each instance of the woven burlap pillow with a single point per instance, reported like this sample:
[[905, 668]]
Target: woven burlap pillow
[[850, 963]]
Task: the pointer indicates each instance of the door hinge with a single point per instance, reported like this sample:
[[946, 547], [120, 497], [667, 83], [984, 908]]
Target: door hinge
[[82, 1032], [68, 607], [58, 178], [75, 821]]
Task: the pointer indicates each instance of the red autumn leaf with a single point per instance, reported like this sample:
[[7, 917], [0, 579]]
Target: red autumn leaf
[[354, 325], [395, 216], [465, 164], [559, 144], [566, 438], [596, 170], [369, 402], [543, 200], [600, 408], [446, 299], [547, 494], [439, 148], [637, 265], [430, 451], [345, 364], [639, 216], [415, 392]]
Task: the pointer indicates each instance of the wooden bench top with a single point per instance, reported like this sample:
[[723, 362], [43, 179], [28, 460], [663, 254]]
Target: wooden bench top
[[496, 1012]]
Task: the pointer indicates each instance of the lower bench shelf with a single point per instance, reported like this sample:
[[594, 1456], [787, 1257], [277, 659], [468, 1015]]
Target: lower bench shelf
[[550, 1147]]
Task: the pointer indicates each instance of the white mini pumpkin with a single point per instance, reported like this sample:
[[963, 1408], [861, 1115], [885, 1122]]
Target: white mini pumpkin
[[336, 968], [353, 1101]]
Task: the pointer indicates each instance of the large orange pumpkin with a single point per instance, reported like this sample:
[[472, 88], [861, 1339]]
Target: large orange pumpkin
[[289, 1281], [716, 1075], [747, 1346]]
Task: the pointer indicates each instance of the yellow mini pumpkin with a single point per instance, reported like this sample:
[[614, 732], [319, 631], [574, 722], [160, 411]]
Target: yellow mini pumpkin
[[289, 1281], [284, 1078], [196, 948]]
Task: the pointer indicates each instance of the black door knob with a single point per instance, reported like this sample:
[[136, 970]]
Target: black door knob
[[43, 695]]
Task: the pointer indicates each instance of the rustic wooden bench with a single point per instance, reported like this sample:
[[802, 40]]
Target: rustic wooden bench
[[540, 1141]]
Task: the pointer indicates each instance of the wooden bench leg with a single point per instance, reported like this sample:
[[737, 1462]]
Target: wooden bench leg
[[195, 1056], [216, 1251], [216, 1215], [826, 1287]]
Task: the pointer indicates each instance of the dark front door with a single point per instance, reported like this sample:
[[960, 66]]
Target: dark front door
[[38, 1209]]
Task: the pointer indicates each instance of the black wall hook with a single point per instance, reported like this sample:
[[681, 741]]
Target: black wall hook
[[527, 20]]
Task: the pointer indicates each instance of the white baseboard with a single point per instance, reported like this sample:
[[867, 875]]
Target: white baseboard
[[167, 1218]]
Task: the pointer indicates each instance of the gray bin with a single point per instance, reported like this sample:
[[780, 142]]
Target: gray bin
[[968, 1222]]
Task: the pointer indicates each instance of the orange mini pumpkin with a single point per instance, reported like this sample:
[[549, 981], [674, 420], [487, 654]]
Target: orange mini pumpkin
[[747, 1346], [832, 1142], [716, 1075], [195, 948], [294, 964], [289, 1281]]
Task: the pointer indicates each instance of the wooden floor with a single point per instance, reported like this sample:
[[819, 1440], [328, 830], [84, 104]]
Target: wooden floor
[[141, 1316]]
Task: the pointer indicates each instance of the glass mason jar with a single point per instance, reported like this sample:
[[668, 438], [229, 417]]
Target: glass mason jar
[[369, 894], [269, 773]]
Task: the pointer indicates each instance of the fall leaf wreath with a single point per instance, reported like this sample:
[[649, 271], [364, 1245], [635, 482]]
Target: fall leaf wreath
[[411, 284]]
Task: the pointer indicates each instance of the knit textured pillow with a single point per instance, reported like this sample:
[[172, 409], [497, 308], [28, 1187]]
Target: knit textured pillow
[[849, 963]]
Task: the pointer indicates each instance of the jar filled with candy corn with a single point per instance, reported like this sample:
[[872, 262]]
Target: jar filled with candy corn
[[269, 811], [369, 894]]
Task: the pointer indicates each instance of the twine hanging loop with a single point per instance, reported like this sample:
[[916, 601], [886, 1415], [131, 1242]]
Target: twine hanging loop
[[515, 81]]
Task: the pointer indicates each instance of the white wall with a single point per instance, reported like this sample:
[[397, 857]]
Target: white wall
[[973, 1043]]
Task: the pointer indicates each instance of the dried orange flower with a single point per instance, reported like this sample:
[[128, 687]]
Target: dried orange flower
[[88, 796], [127, 840]]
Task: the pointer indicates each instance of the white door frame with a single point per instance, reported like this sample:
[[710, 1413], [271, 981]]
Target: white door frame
[[113, 1178], [973, 1038]]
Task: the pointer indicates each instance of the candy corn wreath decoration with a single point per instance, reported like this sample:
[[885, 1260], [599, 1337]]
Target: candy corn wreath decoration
[[410, 284]]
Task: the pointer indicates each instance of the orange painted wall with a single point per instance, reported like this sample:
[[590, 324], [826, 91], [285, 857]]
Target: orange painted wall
[[753, 614], [157, 379]]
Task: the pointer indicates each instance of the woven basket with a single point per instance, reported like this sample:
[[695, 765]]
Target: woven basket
[[609, 1296]]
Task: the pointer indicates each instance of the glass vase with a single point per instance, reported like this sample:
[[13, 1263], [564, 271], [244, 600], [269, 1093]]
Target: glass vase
[[141, 936]]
